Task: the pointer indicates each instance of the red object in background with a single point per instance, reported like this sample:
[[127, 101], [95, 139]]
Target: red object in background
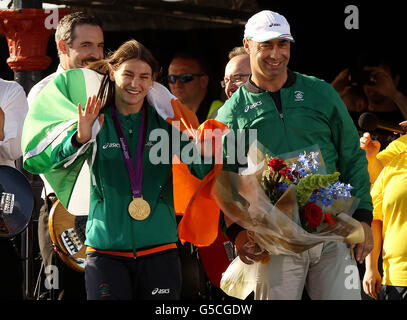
[[214, 258], [27, 32]]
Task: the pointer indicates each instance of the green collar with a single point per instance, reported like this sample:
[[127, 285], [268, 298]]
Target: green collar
[[251, 87]]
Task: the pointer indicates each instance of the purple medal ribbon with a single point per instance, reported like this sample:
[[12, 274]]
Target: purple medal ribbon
[[135, 173]]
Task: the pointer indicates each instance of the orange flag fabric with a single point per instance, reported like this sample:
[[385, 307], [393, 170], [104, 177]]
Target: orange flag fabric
[[192, 199]]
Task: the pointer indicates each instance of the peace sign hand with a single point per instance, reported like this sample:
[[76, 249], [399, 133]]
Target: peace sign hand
[[86, 120]]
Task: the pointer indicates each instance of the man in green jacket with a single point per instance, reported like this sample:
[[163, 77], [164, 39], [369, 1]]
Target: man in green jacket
[[290, 112]]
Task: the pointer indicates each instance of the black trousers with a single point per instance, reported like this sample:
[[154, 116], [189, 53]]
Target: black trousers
[[393, 293], [152, 277]]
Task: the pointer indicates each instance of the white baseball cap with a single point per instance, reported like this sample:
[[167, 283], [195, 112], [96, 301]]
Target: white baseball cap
[[267, 25]]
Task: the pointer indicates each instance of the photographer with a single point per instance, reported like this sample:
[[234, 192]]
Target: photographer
[[372, 86]]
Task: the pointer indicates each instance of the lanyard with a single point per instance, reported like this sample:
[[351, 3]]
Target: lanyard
[[135, 173]]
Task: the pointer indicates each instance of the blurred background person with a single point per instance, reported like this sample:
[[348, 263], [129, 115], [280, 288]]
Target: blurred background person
[[237, 71], [189, 81], [13, 108], [372, 85]]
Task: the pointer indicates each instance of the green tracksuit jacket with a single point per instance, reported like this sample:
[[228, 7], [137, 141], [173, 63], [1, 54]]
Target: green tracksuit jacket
[[311, 113], [109, 225]]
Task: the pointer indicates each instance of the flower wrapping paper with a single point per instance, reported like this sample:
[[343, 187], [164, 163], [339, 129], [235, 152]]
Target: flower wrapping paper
[[274, 227]]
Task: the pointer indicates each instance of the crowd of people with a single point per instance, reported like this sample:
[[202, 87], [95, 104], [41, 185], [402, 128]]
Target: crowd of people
[[112, 104]]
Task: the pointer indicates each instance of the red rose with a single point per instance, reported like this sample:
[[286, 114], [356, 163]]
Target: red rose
[[277, 164], [285, 171], [313, 214], [328, 219]]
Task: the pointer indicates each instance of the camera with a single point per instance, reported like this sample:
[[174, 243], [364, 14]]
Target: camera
[[359, 77]]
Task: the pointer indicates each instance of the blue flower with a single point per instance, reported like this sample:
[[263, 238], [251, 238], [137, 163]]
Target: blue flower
[[282, 186], [308, 163]]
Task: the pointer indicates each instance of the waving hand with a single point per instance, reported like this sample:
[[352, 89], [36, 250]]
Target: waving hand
[[86, 119]]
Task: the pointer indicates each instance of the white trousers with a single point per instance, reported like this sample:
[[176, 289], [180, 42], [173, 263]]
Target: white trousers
[[327, 271]]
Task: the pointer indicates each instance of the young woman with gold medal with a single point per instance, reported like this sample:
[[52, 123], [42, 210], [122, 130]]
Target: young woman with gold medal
[[131, 231]]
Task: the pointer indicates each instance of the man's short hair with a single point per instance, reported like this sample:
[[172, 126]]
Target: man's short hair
[[236, 51], [66, 26], [201, 61]]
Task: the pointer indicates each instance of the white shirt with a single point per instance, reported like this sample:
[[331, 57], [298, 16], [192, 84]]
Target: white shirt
[[35, 90], [13, 102]]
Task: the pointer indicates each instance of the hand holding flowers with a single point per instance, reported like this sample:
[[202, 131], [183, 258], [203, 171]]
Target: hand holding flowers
[[286, 206]]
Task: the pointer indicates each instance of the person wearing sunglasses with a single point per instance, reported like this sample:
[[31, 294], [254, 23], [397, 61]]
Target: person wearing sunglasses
[[188, 80]]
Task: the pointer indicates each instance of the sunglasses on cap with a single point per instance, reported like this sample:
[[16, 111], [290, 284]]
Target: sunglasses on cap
[[183, 78]]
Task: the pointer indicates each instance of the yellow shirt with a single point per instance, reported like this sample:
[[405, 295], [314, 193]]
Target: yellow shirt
[[214, 106], [389, 195]]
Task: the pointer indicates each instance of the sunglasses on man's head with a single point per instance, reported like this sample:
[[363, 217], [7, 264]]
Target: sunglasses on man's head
[[184, 78]]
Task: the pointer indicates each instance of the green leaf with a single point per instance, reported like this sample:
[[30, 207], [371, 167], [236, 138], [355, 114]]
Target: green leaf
[[308, 184]]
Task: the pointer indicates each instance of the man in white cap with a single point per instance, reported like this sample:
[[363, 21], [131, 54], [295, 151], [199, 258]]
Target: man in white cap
[[291, 112]]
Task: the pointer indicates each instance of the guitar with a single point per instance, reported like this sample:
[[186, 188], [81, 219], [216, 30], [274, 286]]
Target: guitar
[[16, 202], [65, 239]]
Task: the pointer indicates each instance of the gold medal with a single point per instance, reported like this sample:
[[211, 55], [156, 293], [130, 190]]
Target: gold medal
[[139, 209]]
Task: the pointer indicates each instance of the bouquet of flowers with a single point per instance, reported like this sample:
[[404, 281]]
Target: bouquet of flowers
[[288, 204], [311, 189]]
